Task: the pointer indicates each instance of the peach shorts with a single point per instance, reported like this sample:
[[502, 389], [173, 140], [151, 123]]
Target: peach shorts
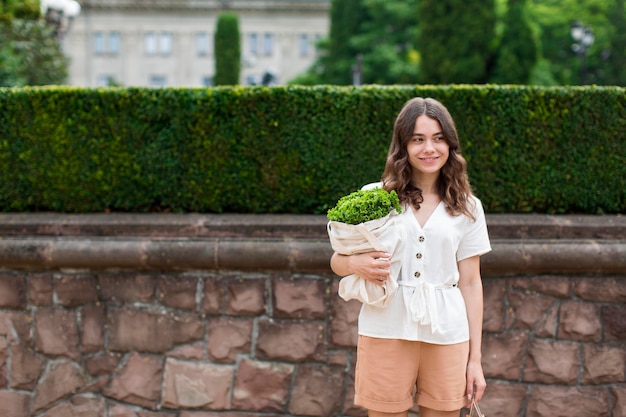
[[392, 374]]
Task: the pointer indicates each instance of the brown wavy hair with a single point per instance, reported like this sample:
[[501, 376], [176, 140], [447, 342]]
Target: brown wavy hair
[[453, 183]]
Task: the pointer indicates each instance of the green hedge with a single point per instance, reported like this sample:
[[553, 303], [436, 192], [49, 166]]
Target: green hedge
[[299, 149]]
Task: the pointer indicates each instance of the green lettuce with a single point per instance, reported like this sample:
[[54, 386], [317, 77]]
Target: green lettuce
[[364, 205]]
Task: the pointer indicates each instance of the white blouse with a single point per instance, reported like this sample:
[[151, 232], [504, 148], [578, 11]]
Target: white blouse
[[428, 306]]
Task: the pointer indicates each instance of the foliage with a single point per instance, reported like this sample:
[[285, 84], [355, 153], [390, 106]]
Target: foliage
[[364, 205], [616, 63], [518, 51], [29, 52], [227, 50], [361, 27], [299, 149], [456, 40], [554, 20]]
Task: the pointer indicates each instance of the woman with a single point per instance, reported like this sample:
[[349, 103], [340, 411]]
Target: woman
[[425, 347]]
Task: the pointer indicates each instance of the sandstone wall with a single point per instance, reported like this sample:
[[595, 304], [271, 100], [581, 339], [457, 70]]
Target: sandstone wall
[[207, 316]]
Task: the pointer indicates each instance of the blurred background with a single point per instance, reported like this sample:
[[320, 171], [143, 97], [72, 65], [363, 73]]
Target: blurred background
[[172, 42]]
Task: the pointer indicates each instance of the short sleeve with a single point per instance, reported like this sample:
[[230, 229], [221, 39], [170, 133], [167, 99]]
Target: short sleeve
[[475, 240], [372, 185]]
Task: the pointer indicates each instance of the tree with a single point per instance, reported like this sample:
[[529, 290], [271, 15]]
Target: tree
[[616, 63], [227, 50], [377, 35], [29, 52], [456, 40], [518, 50]]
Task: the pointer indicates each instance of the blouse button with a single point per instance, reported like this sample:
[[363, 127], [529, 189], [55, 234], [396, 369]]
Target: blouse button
[[418, 255], [421, 239], [417, 274]]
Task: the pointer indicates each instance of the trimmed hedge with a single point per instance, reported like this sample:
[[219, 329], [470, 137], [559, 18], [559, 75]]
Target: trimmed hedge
[[299, 149]]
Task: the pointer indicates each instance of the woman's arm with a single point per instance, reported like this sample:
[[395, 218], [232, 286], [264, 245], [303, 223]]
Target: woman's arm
[[372, 266], [471, 287]]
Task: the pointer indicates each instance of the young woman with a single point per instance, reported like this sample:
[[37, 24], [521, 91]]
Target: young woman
[[425, 347]]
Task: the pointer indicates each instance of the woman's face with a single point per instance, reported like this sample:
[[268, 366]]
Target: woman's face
[[428, 150]]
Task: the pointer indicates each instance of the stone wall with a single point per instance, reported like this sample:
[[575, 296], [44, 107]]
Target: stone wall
[[207, 316]]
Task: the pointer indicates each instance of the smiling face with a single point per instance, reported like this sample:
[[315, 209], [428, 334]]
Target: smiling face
[[428, 149]]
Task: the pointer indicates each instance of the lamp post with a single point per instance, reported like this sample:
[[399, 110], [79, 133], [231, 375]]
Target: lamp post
[[59, 14], [583, 39]]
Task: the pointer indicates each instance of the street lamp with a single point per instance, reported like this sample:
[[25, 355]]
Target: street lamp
[[59, 13], [583, 38]]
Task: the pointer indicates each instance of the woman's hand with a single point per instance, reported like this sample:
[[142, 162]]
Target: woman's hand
[[371, 266], [475, 380]]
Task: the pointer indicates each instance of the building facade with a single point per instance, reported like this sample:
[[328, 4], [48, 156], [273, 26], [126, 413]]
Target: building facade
[[164, 43]]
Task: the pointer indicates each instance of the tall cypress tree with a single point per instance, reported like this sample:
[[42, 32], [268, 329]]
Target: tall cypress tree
[[455, 40], [227, 50], [518, 51], [346, 17]]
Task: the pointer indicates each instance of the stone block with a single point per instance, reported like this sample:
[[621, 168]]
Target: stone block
[[178, 291], [92, 330], [26, 367], [556, 401], [61, 380], [57, 333], [15, 326], [152, 331], [196, 385], [603, 364], [127, 288], [246, 296], [14, 404], [612, 290], [290, 341], [78, 406], [12, 291], [317, 391], [262, 386], [213, 297], [554, 286], [75, 290], [614, 323], [102, 363], [503, 354], [195, 350], [618, 392], [503, 399], [229, 337], [579, 321], [343, 320], [299, 298], [527, 309], [551, 362], [548, 325], [138, 381], [494, 295], [40, 290], [4, 356]]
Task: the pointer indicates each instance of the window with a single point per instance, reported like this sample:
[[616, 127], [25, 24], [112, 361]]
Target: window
[[114, 43], [150, 43], [98, 43], [105, 80], [202, 43], [158, 81], [158, 44], [207, 81], [267, 44], [303, 45], [165, 43], [253, 42], [106, 43]]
